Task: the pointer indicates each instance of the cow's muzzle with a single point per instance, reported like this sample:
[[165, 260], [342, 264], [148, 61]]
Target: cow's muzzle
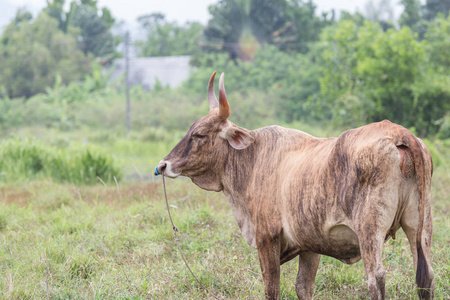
[[165, 168], [160, 168]]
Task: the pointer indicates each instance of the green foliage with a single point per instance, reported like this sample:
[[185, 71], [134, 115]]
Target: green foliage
[[31, 159], [369, 75], [437, 45], [57, 107], [357, 73], [290, 25], [168, 38], [33, 54], [434, 7], [94, 25], [389, 63], [225, 27], [287, 80], [337, 81], [95, 34], [444, 127], [412, 17]]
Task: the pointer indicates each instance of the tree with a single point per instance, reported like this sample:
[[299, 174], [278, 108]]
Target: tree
[[339, 85], [95, 35], [433, 7], [433, 90], [168, 38], [368, 74], [438, 44], [34, 52], [95, 25], [268, 17], [380, 11], [388, 65], [225, 27], [240, 26], [411, 15], [307, 25]]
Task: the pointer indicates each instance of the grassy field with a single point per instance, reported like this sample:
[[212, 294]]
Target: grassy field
[[114, 241]]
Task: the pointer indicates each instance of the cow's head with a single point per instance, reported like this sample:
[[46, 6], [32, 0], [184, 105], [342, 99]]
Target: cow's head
[[202, 152]]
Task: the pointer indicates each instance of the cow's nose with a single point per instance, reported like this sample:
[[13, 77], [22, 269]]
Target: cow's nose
[[160, 168]]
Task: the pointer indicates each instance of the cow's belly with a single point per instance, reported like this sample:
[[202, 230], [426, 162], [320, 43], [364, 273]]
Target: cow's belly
[[340, 242]]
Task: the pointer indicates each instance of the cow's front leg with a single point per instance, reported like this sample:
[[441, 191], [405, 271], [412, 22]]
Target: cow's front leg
[[307, 270], [269, 259]]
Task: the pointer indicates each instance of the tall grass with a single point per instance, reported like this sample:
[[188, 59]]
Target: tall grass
[[30, 159]]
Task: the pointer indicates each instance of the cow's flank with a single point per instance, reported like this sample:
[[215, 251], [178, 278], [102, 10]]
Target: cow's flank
[[293, 194]]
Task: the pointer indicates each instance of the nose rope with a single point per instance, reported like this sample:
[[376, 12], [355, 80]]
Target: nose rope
[[175, 229]]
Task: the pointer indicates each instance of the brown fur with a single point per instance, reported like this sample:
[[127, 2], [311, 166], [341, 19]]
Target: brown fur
[[297, 195]]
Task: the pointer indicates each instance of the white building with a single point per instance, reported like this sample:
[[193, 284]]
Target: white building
[[168, 70]]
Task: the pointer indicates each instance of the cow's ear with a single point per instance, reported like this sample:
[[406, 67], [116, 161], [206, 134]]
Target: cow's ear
[[239, 138]]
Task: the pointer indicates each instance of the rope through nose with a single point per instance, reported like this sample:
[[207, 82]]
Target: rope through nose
[[175, 229]]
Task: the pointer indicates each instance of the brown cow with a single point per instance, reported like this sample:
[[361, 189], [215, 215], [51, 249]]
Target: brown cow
[[293, 194]]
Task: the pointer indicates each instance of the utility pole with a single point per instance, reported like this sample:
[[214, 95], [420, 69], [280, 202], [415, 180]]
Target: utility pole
[[127, 79]]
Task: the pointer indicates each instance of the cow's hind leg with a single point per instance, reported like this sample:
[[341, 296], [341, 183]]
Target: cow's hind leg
[[307, 269], [422, 255], [374, 220], [371, 246]]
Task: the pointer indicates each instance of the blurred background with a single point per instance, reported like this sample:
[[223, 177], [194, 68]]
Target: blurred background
[[131, 77]]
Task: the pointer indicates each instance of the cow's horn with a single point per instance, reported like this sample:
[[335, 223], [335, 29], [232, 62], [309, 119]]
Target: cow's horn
[[213, 103], [224, 108]]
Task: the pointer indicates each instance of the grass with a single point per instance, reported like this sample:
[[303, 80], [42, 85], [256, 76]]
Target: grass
[[60, 241], [28, 159], [66, 241]]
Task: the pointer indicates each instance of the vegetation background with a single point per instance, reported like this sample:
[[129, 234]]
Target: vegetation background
[[82, 216]]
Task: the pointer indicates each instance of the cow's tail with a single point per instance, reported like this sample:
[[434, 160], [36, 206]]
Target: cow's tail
[[423, 170]]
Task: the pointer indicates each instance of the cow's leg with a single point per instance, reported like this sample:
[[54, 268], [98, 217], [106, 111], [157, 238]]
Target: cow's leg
[[422, 265], [371, 246], [307, 269], [269, 259]]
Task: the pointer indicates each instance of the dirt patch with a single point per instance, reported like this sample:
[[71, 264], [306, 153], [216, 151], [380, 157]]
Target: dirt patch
[[125, 194], [15, 195]]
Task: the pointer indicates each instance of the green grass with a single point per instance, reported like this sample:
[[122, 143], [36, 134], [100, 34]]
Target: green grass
[[30, 159], [107, 242]]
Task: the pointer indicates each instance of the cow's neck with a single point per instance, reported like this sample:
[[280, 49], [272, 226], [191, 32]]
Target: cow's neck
[[259, 159], [239, 171]]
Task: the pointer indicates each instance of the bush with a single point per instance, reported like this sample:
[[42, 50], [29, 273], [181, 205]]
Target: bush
[[31, 159]]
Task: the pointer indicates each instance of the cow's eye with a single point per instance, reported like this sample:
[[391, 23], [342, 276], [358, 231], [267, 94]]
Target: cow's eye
[[199, 136]]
